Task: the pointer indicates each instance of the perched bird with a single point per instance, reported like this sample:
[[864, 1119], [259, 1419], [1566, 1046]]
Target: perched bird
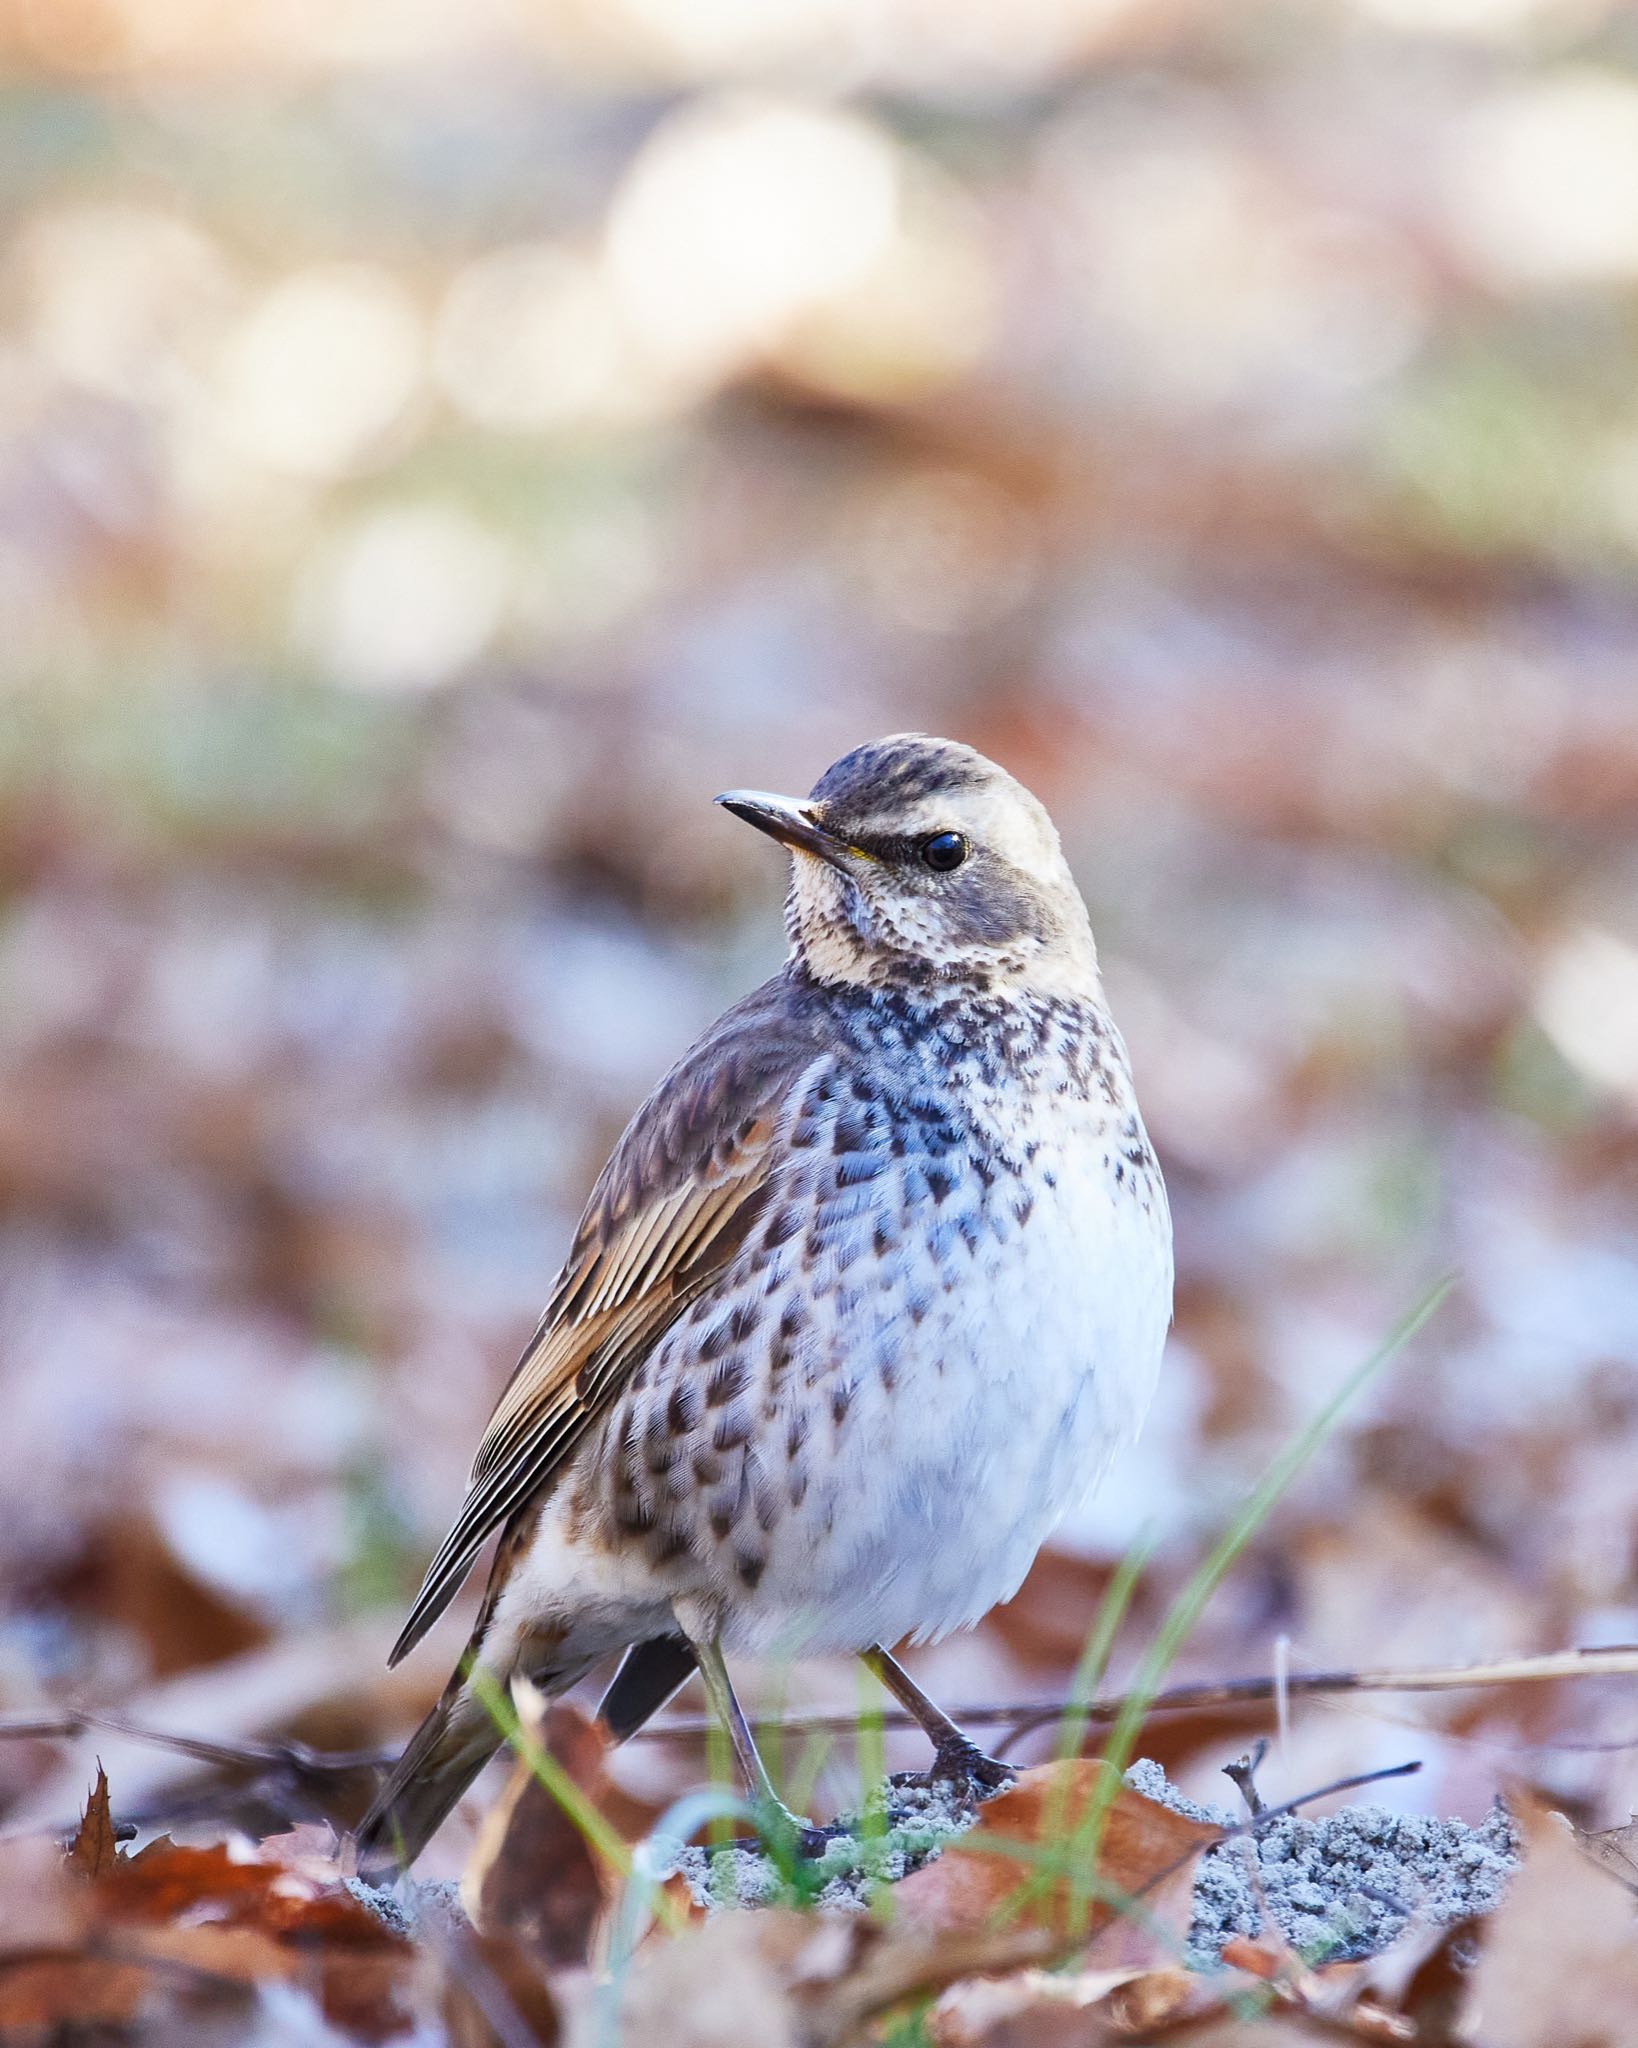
[[872, 1290]]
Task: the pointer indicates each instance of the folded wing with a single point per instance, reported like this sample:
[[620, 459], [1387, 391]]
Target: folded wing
[[682, 1190]]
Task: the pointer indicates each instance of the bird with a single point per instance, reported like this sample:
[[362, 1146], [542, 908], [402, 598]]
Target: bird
[[872, 1290]]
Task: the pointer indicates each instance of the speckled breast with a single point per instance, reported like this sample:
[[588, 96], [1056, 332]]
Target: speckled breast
[[945, 1323]]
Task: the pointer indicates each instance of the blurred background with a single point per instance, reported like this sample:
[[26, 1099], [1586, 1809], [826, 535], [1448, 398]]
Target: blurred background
[[442, 442]]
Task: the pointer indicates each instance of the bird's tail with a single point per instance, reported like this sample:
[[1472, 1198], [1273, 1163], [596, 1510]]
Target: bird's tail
[[441, 1759]]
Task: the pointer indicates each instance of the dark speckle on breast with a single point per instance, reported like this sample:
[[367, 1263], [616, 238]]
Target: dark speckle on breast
[[728, 1380], [733, 1429], [785, 1223]]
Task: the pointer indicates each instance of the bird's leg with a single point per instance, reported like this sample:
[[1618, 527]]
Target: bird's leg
[[719, 1691], [956, 1757]]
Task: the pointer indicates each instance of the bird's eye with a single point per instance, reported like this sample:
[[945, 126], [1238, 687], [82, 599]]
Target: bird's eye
[[943, 851]]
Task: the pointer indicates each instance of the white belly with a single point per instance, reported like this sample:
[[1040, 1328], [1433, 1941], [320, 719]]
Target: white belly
[[998, 1412]]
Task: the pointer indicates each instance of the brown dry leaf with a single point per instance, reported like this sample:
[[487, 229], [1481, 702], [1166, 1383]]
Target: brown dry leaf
[[1437, 1989], [489, 1976], [1281, 2027], [1417, 1592], [728, 1980], [1150, 1998], [93, 1851], [828, 1979], [1560, 1960], [1259, 1959], [785, 1979], [1614, 1850], [679, 1903], [169, 1881], [177, 1932], [1046, 2007], [1145, 1848], [43, 1904], [166, 1880], [55, 1997], [243, 1955], [311, 1849], [134, 1578], [532, 1873], [366, 1993]]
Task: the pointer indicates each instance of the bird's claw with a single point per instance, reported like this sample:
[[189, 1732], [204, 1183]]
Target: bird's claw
[[776, 1824], [964, 1766]]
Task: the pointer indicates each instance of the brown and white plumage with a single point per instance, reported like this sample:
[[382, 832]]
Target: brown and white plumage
[[872, 1287], [674, 1202], [682, 1186]]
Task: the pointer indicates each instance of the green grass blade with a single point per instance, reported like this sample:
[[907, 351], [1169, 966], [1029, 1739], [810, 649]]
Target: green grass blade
[[1093, 1663], [1191, 1601]]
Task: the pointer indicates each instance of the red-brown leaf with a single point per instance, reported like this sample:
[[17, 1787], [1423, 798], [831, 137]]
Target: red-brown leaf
[[1144, 1847], [93, 1851], [532, 1872]]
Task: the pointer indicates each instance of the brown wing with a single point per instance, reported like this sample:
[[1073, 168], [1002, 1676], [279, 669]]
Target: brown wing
[[682, 1188]]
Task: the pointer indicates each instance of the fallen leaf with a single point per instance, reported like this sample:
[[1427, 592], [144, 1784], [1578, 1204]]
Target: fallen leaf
[[44, 1904], [1045, 2007], [312, 1848], [1436, 1990], [166, 1879], [532, 1873], [1259, 1959], [240, 1954], [93, 1851], [1149, 1998], [980, 1878], [492, 1978], [171, 1881], [1614, 1850], [1560, 1963], [54, 1997], [777, 1976], [726, 1981], [1283, 2027], [678, 1903], [366, 1993]]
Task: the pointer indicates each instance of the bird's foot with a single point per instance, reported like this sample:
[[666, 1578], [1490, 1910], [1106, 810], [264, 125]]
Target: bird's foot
[[964, 1763], [783, 1831], [964, 1766]]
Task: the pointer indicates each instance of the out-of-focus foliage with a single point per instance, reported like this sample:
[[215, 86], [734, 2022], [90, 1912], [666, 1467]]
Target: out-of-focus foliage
[[441, 444]]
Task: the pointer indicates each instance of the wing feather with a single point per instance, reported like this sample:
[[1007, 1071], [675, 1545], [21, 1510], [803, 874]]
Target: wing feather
[[681, 1191]]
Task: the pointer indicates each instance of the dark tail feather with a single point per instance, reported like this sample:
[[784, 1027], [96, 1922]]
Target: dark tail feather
[[649, 1674], [443, 1756]]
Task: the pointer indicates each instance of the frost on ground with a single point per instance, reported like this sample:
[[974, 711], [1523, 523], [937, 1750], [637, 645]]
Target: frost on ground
[[1339, 1888], [1344, 1886], [411, 1907], [888, 1841]]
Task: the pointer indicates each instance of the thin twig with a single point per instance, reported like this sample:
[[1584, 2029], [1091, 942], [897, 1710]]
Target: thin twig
[[1022, 1716], [1242, 1774], [1265, 1816], [1025, 1716]]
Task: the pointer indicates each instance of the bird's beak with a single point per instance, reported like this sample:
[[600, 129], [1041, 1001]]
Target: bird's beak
[[787, 819]]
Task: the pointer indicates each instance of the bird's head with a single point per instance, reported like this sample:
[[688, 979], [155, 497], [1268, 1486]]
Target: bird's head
[[915, 861]]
